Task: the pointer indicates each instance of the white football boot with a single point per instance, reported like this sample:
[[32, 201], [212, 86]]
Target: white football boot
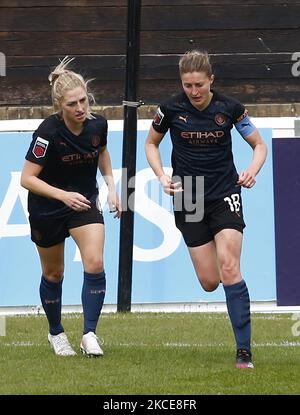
[[90, 345], [61, 345]]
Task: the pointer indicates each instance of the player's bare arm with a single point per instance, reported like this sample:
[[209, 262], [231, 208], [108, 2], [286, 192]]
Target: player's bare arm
[[105, 167], [247, 177], [153, 156]]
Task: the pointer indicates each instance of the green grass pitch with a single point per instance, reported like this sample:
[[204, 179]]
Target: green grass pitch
[[151, 354]]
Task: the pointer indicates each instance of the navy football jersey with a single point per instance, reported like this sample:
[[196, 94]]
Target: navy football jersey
[[201, 141], [69, 161]]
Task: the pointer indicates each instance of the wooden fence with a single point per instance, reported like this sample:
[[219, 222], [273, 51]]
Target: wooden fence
[[251, 46]]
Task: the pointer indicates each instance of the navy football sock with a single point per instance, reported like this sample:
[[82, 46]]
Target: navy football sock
[[50, 293], [238, 305], [92, 296]]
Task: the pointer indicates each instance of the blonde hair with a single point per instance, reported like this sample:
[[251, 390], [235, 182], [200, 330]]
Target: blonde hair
[[195, 61], [63, 80]]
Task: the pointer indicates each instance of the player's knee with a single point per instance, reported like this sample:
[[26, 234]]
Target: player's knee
[[229, 269], [209, 286], [94, 265], [53, 274]]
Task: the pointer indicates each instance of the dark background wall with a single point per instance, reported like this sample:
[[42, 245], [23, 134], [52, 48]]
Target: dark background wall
[[251, 44]]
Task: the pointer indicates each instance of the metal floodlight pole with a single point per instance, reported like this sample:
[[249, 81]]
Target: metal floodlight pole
[[129, 155]]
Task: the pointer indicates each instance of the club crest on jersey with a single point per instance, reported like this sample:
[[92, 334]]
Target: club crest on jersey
[[40, 147], [95, 140], [220, 119], [158, 117]]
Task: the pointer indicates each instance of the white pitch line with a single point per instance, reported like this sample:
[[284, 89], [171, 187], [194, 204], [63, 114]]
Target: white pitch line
[[257, 307], [283, 343]]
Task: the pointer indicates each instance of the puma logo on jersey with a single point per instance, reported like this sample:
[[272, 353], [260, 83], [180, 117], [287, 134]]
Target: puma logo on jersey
[[182, 118]]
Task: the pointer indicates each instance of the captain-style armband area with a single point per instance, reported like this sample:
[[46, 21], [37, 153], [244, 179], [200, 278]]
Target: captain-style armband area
[[245, 127]]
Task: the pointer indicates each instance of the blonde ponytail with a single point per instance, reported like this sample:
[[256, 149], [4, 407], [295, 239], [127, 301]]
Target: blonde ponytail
[[63, 80]]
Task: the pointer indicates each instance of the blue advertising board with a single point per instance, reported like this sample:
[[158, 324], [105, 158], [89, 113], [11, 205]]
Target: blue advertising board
[[162, 269]]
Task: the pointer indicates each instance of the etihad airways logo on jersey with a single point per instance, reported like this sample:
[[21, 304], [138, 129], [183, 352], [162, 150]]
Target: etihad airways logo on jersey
[[79, 158], [202, 137]]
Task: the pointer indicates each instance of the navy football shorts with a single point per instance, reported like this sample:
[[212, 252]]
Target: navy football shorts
[[50, 231], [226, 213]]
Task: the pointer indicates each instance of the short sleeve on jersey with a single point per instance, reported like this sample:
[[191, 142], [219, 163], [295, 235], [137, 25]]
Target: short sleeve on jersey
[[238, 112], [160, 122], [39, 149], [104, 135]]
